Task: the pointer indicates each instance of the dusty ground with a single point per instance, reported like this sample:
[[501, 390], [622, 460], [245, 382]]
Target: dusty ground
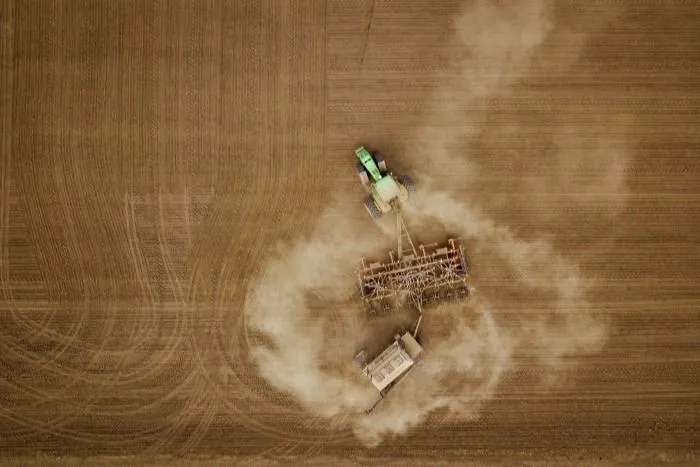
[[177, 178]]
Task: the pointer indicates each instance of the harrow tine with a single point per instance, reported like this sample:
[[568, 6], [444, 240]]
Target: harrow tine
[[415, 275]]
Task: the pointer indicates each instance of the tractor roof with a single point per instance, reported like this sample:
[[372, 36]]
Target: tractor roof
[[387, 188]]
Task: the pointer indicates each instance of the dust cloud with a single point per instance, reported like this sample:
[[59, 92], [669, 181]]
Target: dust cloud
[[464, 361], [498, 42], [537, 267], [312, 360], [589, 167], [278, 307], [308, 353]]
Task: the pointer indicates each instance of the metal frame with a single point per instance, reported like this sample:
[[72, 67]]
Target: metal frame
[[422, 275], [399, 343]]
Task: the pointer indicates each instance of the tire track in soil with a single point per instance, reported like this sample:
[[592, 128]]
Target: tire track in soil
[[157, 60], [7, 88], [65, 341], [71, 373], [199, 268], [183, 128], [6, 116], [294, 142], [269, 185], [48, 318], [77, 435], [141, 373], [141, 270], [41, 329], [7, 145], [242, 91], [131, 439], [216, 286], [280, 409], [191, 411], [192, 23], [51, 427], [270, 94]]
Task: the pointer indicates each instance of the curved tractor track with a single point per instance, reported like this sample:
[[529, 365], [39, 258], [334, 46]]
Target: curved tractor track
[[158, 158]]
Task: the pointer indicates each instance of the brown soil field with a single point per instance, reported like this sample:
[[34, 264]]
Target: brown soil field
[[180, 221]]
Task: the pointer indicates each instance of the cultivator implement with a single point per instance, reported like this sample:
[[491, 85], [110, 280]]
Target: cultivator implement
[[419, 275], [412, 275]]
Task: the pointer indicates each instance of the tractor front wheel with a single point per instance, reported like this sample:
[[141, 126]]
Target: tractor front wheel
[[381, 163]]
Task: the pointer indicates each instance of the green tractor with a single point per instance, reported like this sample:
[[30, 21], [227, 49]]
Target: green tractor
[[385, 190]]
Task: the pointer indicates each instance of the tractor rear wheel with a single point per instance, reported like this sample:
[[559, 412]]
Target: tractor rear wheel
[[372, 208], [408, 183]]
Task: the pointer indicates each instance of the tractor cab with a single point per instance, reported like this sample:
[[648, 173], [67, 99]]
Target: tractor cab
[[387, 189], [384, 189]]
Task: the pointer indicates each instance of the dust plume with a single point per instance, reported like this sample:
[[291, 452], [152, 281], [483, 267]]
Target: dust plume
[[498, 41], [537, 267], [278, 307], [464, 361], [312, 359], [309, 357], [307, 352], [494, 44], [589, 167]]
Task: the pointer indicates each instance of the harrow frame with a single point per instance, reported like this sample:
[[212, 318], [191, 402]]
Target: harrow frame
[[427, 274]]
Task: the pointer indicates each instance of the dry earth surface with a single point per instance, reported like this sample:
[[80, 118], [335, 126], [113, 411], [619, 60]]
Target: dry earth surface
[[180, 220]]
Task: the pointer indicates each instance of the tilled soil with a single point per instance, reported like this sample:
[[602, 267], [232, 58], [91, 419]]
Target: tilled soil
[[156, 155]]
